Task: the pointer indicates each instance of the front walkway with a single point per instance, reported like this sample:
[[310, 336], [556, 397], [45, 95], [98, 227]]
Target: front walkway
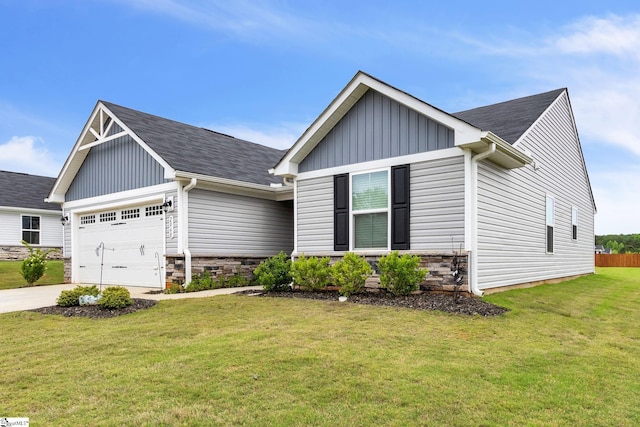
[[44, 296]]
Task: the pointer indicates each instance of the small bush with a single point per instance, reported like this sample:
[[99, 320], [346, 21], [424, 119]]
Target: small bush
[[201, 283], [174, 288], [274, 274], [236, 281], [34, 265], [115, 297], [400, 275], [71, 297], [350, 273], [311, 273]]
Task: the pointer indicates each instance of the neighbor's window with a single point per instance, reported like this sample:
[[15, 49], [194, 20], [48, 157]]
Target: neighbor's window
[[550, 223], [31, 229], [574, 223], [370, 209]]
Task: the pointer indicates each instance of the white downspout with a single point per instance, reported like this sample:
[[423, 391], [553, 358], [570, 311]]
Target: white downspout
[[185, 230], [473, 282]]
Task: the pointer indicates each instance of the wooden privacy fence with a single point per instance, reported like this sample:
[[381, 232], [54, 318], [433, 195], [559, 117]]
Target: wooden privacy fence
[[617, 260]]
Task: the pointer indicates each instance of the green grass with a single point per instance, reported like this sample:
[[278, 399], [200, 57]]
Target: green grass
[[566, 354], [10, 277]]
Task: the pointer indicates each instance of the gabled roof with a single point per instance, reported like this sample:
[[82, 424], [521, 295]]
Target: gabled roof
[[510, 119], [468, 134], [21, 190], [201, 151]]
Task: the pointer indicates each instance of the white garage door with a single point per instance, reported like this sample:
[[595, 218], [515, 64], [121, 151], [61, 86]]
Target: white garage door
[[133, 246]]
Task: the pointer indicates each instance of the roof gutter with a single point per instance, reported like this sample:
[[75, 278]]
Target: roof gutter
[[473, 282]]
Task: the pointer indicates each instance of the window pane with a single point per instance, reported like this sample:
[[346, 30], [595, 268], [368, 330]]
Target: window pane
[[31, 237], [370, 191], [549, 239], [550, 211], [26, 222], [35, 223], [370, 230]]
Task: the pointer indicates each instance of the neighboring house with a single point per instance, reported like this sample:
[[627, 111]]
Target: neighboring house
[[25, 216], [600, 249], [151, 201], [503, 185]]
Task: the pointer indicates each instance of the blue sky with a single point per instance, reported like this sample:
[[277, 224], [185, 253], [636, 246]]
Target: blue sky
[[264, 70]]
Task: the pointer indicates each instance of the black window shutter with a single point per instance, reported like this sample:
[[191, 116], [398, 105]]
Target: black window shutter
[[341, 212], [400, 207]]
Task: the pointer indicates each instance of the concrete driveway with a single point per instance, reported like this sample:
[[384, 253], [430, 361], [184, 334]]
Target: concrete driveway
[[44, 296]]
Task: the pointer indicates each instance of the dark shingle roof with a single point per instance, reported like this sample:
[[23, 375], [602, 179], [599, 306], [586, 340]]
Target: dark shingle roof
[[21, 190], [510, 119], [197, 150]]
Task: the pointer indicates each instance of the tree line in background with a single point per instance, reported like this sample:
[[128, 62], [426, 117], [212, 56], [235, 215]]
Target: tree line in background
[[620, 243]]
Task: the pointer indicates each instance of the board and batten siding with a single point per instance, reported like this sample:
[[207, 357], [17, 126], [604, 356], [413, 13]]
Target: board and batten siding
[[315, 215], [512, 209], [228, 224], [437, 205], [117, 165], [171, 225], [375, 128]]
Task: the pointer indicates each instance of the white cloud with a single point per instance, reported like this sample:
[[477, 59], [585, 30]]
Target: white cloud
[[29, 155], [617, 197], [281, 136], [614, 35]]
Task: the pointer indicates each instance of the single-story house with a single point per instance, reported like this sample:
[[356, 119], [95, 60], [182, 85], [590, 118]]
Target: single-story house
[[505, 186], [25, 216], [151, 201]]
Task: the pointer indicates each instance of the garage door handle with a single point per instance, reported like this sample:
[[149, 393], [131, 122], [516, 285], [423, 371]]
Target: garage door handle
[[118, 266]]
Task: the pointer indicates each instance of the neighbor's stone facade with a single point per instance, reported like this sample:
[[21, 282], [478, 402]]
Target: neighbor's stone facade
[[18, 253]]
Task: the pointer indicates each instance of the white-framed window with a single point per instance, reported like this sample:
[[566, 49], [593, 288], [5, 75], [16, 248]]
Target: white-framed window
[[31, 229], [153, 210], [370, 210], [87, 219], [574, 223], [107, 216], [550, 222]]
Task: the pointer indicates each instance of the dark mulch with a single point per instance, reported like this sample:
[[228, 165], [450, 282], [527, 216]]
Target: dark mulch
[[95, 311], [423, 301]]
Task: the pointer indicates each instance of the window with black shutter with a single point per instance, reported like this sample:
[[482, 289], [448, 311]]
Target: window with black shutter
[[341, 212]]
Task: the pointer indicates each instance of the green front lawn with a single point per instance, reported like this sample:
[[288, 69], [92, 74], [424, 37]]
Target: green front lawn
[[566, 354], [10, 277]]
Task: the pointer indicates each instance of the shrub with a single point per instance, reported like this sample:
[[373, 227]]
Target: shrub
[[34, 265], [274, 274], [400, 274], [115, 297], [311, 273], [201, 283], [235, 281], [71, 297], [350, 273], [174, 288]]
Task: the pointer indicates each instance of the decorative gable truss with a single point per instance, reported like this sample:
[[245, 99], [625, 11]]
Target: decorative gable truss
[[102, 127]]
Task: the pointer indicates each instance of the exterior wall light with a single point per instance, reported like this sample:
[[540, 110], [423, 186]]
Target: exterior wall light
[[64, 220]]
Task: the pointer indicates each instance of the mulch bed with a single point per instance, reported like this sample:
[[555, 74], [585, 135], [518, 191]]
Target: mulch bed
[[423, 301], [95, 311]]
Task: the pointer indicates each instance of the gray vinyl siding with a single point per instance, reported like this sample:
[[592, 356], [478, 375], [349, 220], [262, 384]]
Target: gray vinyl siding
[[51, 230], [117, 165], [228, 224], [375, 128], [511, 209], [315, 215], [66, 248], [9, 228], [172, 216], [437, 205]]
